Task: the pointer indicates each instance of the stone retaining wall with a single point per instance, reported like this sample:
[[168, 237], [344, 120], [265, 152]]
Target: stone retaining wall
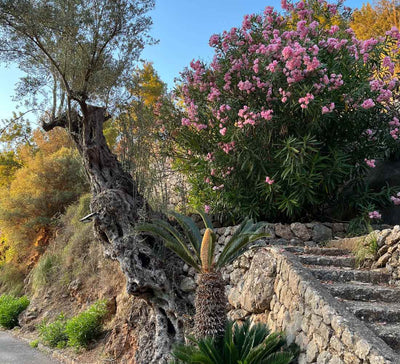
[[269, 286], [388, 251]]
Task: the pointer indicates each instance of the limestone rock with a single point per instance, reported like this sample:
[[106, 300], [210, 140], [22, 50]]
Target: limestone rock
[[321, 233], [254, 292], [283, 231], [300, 231], [188, 284]]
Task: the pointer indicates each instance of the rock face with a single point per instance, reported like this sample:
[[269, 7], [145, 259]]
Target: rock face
[[253, 293]]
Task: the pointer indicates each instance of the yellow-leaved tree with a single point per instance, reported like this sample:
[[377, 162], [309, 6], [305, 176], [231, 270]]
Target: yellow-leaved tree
[[49, 178]]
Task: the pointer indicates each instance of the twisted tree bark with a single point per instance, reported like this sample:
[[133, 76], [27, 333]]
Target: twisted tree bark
[[152, 273]]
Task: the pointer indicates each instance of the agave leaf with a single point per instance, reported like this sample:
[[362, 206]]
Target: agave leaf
[[278, 358], [206, 219], [191, 230], [244, 235], [165, 231], [208, 347]]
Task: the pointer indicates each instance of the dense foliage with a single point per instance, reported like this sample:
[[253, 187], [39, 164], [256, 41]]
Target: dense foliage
[[49, 177], [10, 308], [53, 334], [279, 126], [77, 331], [86, 326], [246, 343]]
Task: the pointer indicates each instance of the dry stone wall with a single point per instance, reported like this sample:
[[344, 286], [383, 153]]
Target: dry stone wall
[[266, 285], [388, 251]]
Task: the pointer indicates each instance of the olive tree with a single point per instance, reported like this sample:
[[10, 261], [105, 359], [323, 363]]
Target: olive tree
[[77, 55]]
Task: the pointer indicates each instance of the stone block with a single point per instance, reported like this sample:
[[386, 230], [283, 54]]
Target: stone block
[[324, 357], [300, 231], [312, 352], [362, 349], [350, 358], [321, 233], [283, 231]]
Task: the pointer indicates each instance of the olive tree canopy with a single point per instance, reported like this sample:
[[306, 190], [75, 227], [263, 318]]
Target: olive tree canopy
[[73, 50]]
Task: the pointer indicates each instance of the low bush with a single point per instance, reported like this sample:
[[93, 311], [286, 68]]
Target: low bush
[[86, 326], [53, 334], [10, 308]]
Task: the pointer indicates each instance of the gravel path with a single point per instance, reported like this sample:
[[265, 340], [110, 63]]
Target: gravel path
[[14, 351]]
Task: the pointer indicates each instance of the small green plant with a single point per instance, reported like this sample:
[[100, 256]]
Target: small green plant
[[53, 334], [86, 326], [10, 308], [241, 344], [367, 248], [34, 344]]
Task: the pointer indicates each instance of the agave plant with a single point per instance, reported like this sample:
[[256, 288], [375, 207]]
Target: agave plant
[[199, 252], [242, 344]]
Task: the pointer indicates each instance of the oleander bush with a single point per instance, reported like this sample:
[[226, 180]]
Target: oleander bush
[[289, 117], [10, 308]]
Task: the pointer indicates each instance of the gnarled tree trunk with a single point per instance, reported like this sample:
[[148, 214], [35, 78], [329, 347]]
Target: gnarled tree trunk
[[118, 206]]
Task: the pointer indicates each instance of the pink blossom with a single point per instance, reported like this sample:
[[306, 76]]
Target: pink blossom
[[214, 39], [222, 131], [328, 109], [374, 215], [269, 180], [370, 162], [267, 114], [367, 104], [396, 199], [207, 209]]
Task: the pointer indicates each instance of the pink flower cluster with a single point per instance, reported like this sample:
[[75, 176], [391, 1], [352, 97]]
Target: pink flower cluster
[[328, 109], [374, 215], [370, 162], [396, 199], [269, 181]]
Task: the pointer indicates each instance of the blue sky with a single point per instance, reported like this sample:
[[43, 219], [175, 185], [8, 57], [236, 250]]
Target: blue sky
[[183, 28]]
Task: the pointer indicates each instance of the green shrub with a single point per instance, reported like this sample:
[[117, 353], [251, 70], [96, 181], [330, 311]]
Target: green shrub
[[53, 334], [279, 127], [10, 308], [87, 326], [241, 344]]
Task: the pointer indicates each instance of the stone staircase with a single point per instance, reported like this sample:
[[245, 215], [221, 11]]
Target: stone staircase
[[365, 293]]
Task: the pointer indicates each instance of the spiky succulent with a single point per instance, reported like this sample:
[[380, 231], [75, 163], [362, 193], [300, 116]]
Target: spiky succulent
[[246, 343], [199, 252]]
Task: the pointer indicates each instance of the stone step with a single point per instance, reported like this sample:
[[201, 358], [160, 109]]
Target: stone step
[[318, 251], [390, 333], [334, 261], [375, 311], [363, 292], [348, 275]]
